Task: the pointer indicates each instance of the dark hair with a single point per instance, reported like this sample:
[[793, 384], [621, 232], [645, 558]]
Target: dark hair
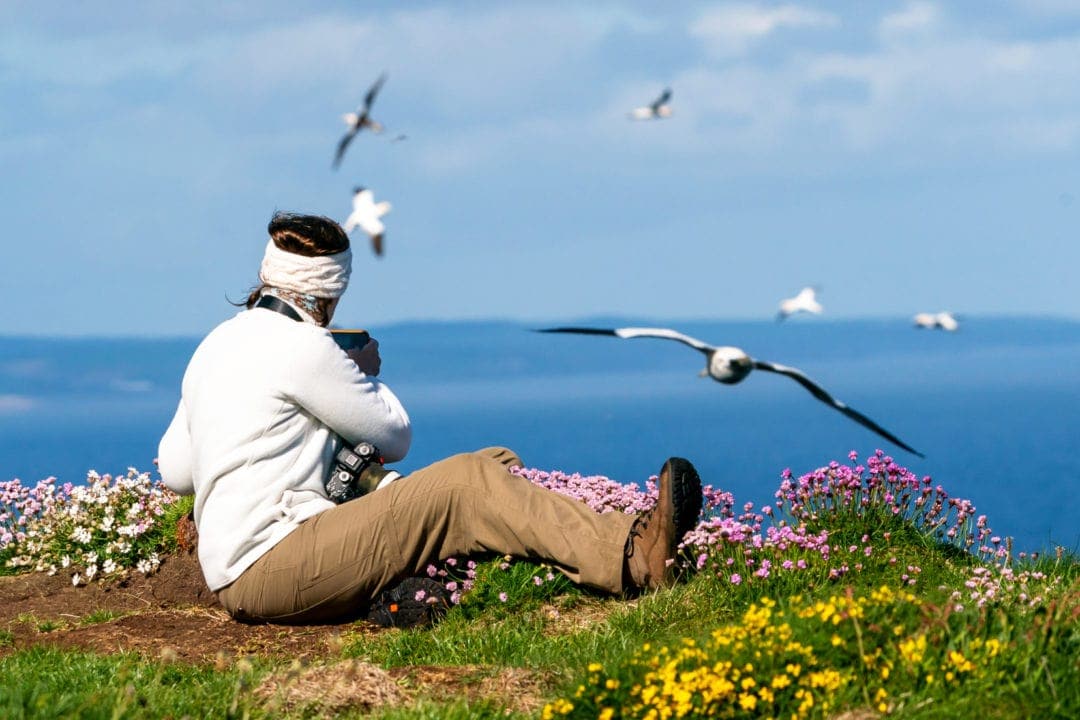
[[307, 235]]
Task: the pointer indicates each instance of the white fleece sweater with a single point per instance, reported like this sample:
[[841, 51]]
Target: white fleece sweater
[[253, 436]]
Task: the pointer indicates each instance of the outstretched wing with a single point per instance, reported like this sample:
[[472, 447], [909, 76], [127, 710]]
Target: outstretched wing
[[632, 332], [373, 92], [664, 97], [828, 399], [342, 144]]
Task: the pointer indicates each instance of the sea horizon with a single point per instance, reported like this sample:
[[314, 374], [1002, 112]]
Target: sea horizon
[[612, 319]]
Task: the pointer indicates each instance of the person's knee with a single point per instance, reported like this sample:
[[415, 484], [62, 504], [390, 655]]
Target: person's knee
[[479, 471], [503, 455]]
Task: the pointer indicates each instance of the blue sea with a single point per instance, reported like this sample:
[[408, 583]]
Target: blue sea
[[994, 407]]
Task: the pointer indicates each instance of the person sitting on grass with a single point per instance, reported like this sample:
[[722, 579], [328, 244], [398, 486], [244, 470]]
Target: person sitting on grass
[[267, 400]]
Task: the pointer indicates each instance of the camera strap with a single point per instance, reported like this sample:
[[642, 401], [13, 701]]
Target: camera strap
[[269, 302]]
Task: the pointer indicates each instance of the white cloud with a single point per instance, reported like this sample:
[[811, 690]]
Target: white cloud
[[476, 89], [917, 19], [456, 74], [733, 29], [959, 93]]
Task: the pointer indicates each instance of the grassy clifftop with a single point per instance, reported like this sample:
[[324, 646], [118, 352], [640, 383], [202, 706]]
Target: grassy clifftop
[[861, 592]]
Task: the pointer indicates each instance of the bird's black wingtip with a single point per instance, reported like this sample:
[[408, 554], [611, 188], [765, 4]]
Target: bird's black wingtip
[[578, 330]]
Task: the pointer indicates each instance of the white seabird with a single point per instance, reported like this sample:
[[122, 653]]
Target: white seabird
[[365, 214], [805, 301], [937, 321], [659, 108], [730, 365], [360, 120]]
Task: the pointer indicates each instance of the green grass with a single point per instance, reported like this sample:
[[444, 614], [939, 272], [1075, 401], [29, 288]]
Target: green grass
[[1007, 658], [1036, 673], [49, 683]]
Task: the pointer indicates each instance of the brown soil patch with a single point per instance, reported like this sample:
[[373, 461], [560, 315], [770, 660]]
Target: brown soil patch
[[171, 612]]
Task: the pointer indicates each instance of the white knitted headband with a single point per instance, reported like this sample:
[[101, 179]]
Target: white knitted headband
[[325, 276]]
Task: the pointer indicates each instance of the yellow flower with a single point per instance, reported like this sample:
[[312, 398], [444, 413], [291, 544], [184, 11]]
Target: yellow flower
[[885, 673], [780, 682], [961, 663], [606, 714], [595, 667], [612, 684], [827, 679], [560, 706], [913, 649], [747, 701], [837, 640]]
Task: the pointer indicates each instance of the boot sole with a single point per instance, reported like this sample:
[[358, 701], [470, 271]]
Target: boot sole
[[685, 494]]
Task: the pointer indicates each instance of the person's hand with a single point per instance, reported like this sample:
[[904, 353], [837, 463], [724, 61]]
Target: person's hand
[[367, 358]]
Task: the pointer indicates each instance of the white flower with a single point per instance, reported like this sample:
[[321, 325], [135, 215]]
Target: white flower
[[109, 567], [81, 535], [91, 571], [75, 579]]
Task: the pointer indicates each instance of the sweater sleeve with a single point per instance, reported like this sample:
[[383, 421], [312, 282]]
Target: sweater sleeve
[[327, 383], [174, 455]]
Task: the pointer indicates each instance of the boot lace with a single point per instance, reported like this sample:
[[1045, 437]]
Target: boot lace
[[641, 523]]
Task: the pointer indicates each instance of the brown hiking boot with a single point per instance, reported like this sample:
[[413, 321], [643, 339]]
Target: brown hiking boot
[[655, 535]]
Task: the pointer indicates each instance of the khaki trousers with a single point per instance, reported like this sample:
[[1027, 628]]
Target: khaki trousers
[[334, 563]]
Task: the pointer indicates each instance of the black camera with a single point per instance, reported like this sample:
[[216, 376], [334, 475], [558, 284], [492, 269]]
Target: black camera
[[356, 471]]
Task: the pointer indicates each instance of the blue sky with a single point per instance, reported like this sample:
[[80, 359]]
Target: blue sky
[[904, 156]]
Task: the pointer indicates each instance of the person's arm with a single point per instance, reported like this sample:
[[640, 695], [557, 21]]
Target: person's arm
[[356, 406], [174, 455]]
